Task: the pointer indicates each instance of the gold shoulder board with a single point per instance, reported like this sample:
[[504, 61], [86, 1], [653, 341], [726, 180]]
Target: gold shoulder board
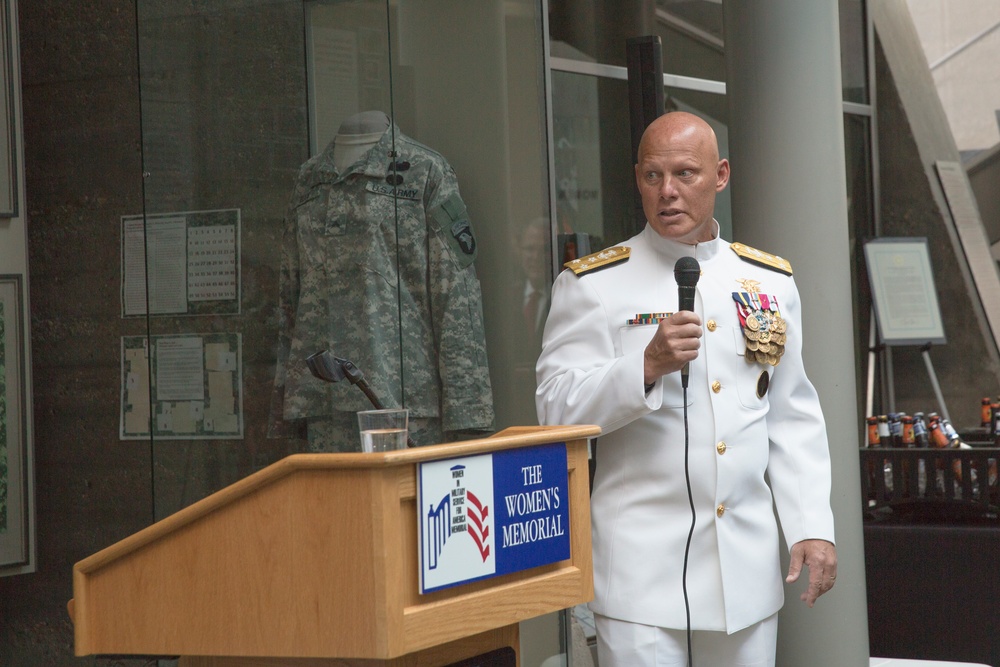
[[598, 260], [762, 258]]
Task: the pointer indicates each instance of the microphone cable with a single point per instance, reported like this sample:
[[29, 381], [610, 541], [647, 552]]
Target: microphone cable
[[686, 273], [687, 547]]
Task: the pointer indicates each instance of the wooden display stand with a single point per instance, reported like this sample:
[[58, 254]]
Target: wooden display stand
[[314, 561]]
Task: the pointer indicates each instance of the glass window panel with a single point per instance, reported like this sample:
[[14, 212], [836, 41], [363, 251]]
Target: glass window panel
[[387, 162], [702, 15], [854, 50], [475, 90], [861, 226], [225, 128], [236, 98], [690, 30]]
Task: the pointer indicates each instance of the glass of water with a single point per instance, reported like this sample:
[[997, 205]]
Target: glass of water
[[383, 430]]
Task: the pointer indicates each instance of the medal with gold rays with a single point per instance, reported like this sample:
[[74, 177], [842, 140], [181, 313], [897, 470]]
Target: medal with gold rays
[[763, 327]]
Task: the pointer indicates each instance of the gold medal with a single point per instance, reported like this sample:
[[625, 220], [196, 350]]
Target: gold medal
[[753, 324], [752, 345], [764, 347], [765, 335], [761, 357], [751, 335], [772, 359]]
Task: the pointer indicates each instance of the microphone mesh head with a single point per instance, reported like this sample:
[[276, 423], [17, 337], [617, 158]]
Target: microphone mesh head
[[687, 271]]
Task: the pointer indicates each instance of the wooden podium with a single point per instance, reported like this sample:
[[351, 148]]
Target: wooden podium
[[314, 561]]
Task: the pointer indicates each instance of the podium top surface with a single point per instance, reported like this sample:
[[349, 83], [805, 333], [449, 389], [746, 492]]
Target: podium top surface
[[510, 438]]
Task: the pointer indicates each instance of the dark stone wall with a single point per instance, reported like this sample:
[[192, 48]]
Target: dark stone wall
[[82, 170]]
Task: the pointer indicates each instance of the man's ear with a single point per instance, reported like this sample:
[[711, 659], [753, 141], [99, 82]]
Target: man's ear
[[722, 175]]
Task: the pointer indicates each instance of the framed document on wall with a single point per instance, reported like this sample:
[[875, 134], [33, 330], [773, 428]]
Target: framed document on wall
[[906, 303]]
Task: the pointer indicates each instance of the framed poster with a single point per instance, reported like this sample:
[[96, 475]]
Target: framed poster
[[13, 426], [182, 387], [906, 303], [185, 263]]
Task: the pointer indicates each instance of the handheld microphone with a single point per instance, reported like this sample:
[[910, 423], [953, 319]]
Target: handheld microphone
[[686, 273]]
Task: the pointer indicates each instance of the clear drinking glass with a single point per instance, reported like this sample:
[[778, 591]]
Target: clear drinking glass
[[383, 430]]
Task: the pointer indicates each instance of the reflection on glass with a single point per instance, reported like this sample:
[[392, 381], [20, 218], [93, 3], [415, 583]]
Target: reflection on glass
[[577, 141], [347, 64]]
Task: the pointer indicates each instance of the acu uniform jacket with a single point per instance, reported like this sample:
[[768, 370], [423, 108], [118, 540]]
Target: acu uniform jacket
[[377, 266]]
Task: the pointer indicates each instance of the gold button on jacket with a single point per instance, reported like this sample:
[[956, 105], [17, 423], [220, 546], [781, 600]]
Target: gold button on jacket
[[720, 510], [721, 448], [716, 386]]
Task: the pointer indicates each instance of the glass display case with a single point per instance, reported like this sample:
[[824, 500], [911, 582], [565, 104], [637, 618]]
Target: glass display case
[[368, 178], [359, 177]]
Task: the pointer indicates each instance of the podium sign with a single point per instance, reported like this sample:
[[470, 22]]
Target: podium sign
[[492, 514]]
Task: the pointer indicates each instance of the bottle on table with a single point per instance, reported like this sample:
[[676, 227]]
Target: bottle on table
[[908, 438], [873, 437], [920, 436]]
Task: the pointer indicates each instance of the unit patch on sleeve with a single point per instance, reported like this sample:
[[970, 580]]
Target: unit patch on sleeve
[[599, 260], [452, 221], [761, 258]]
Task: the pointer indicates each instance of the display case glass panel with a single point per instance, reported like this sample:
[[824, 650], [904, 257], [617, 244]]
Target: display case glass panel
[[365, 178]]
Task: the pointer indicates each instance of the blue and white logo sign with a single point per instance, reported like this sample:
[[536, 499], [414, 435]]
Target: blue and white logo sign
[[492, 514]]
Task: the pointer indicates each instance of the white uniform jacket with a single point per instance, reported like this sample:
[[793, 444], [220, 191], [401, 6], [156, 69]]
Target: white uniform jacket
[[591, 372]]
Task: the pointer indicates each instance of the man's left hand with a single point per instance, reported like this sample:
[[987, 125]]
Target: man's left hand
[[821, 558]]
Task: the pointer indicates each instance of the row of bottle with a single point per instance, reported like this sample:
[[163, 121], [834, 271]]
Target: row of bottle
[[901, 430]]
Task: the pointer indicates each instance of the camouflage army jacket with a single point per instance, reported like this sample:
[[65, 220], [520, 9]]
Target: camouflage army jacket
[[377, 266]]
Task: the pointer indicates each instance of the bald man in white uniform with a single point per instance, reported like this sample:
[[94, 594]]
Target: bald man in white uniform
[[613, 346]]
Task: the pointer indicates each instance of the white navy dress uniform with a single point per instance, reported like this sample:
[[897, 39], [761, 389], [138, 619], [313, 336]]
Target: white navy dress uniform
[[742, 425]]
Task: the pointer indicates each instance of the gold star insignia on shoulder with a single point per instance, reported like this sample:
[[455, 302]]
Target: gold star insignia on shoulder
[[761, 258], [599, 260], [748, 285]]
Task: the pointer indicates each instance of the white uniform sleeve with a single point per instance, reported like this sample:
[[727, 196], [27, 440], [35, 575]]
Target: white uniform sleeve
[[799, 461], [582, 376]]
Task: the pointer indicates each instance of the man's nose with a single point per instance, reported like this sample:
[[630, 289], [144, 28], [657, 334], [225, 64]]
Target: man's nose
[[667, 189]]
